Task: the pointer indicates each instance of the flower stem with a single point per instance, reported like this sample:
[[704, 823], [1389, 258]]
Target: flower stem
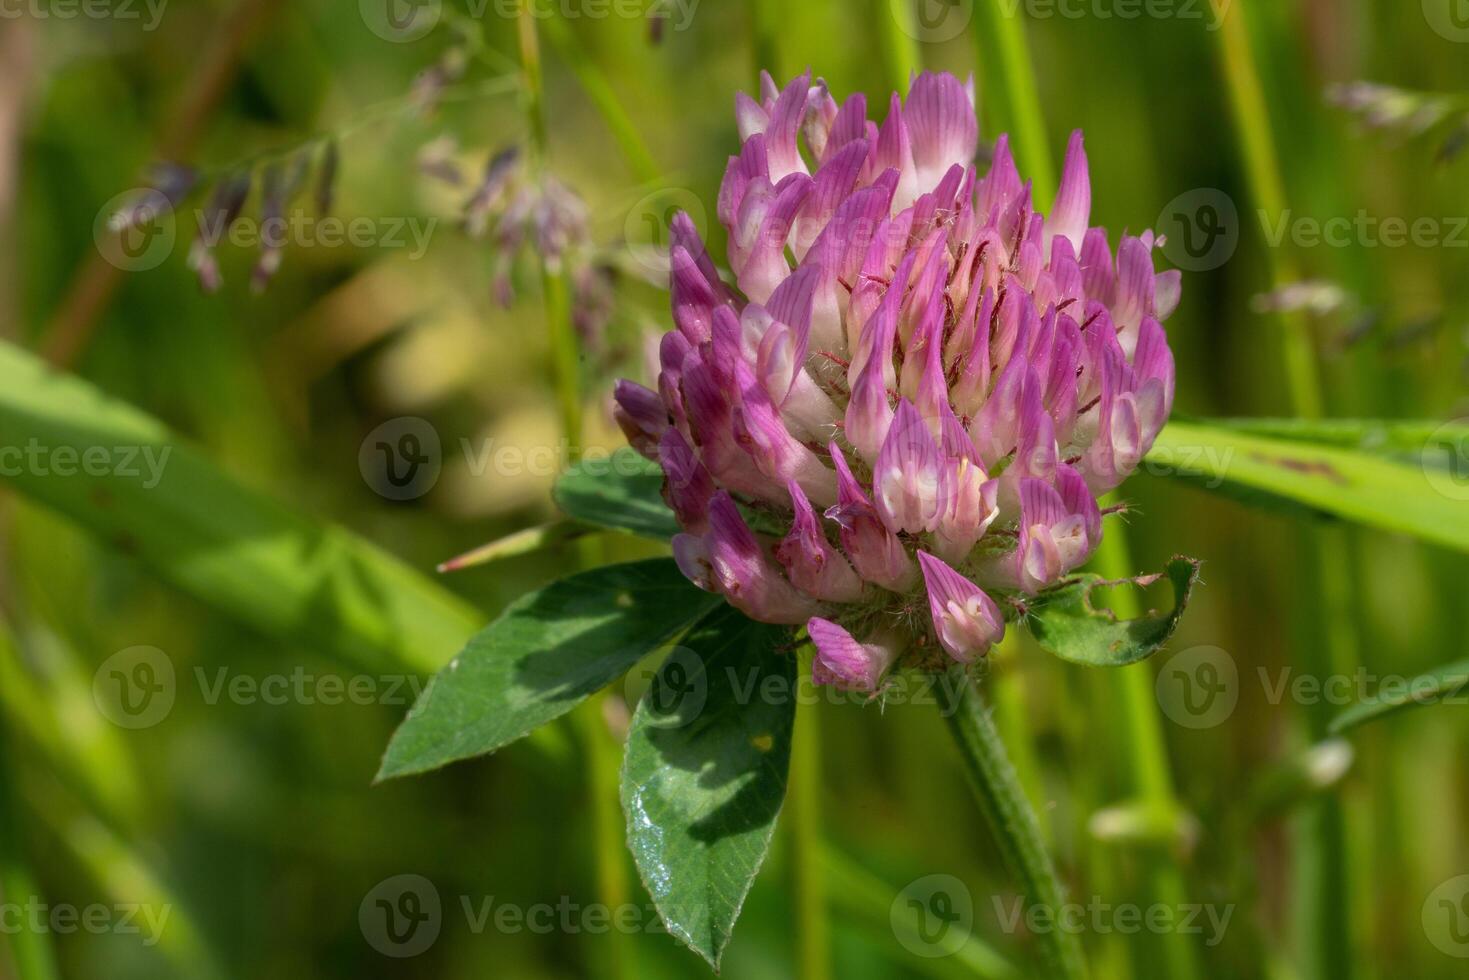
[[803, 816], [1010, 816], [1013, 718]]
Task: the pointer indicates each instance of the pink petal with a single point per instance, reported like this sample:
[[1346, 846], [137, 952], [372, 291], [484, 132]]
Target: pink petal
[[966, 620], [944, 129], [843, 662], [1074, 199]]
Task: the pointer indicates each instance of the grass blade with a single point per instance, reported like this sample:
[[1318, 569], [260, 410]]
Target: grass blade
[[1004, 61], [1435, 687], [198, 529], [30, 950], [1343, 483]]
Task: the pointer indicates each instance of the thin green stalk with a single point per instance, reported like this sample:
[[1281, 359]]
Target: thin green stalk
[[1267, 186], [600, 91], [565, 358], [1324, 873], [1004, 60], [803, 822], [900, 52], [30, 950], [1011, 817], [767, 18], [565, 369], [1013, 718], [613, 886]]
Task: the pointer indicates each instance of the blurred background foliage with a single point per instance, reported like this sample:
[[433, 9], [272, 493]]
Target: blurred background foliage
[[257, 824]]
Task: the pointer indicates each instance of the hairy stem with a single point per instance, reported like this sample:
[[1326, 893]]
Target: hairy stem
[[1013, 718], [803, 816], [1010, 816]]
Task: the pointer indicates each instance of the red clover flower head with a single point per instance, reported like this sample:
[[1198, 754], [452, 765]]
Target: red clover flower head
[[910, 399]]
